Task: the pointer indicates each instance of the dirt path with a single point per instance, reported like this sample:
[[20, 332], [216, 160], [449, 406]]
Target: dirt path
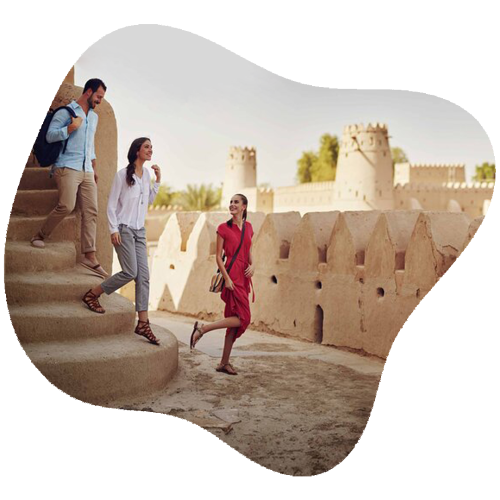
[[295, 408]]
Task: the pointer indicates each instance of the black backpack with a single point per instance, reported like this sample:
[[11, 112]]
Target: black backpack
[[46, 153]]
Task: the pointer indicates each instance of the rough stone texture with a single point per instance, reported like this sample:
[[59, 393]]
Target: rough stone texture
[[184, 262], [379, 265], [473, 229], [93, 357]]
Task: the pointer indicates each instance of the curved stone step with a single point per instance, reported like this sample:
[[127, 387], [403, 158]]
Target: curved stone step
[[22, 228], [35, 202], [21, 257], [71, 321], [37, 178], [32, 162], [101, 370], [63, 286]]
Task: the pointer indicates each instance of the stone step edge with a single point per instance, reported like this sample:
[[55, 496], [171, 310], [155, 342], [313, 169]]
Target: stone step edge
[[105, 370], [21, 257], [72, 321]]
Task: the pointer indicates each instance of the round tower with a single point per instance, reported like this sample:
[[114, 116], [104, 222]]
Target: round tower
[[364, 178], [241, 172]]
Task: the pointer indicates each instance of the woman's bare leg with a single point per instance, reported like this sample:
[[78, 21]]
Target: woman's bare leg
[[228, 346], [98, 291], [232, 322]]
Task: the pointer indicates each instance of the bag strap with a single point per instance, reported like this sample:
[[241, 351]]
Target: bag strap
[[72, 113], [236, 253]]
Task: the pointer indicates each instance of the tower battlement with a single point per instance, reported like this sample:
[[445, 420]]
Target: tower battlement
[[359, 127], [238, 153], [364, 168], [366, 179], [241, 172], [372, 138]]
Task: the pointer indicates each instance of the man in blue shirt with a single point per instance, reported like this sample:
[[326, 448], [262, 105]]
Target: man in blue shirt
[[74, 171]]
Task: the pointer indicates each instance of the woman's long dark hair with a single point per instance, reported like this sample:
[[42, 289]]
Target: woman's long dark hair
[[245, 202], [132, 156]]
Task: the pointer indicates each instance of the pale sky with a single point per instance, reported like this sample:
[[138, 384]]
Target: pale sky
[[195, 99]]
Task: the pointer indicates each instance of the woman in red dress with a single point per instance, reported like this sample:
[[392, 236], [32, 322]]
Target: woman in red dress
[[237, 282]]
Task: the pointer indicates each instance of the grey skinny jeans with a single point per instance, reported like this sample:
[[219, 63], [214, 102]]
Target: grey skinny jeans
[[133, 257]]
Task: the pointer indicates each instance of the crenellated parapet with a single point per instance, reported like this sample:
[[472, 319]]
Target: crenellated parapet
[[364, 178], [373, 137], [345, 279], [441, 166], [238, 153], [241, 175], [471, 198], [445, 187]]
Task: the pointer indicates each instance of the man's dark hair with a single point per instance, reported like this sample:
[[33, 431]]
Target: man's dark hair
[[94, 84]]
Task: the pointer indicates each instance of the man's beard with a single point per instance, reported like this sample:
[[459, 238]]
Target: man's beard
[[90, 103]]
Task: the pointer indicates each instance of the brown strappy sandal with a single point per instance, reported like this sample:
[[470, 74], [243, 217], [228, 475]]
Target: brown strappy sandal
[[192, 342], [92, 302], [227, 368], [145, 331]]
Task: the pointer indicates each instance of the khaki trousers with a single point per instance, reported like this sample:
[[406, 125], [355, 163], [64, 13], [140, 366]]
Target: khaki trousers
[[75, 186]]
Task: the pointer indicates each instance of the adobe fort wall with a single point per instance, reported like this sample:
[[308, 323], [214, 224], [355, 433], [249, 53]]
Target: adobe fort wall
[[345, 279], [307, 197], [365, 180], [471, 198], [407, 173]]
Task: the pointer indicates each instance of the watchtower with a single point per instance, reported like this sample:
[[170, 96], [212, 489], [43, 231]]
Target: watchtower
[[241, 172], [364, 169]]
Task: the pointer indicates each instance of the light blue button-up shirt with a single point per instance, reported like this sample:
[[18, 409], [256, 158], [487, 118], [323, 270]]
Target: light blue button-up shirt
[[80, 150]]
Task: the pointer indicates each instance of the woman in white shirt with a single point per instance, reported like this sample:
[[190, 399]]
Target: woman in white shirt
[[128, 202]]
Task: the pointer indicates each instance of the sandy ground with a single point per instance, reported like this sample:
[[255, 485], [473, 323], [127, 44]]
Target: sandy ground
[[294, 407]]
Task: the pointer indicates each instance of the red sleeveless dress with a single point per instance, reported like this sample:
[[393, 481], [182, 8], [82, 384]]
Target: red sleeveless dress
[[237, 303]]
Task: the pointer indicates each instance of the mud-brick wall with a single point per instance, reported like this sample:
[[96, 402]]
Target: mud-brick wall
[[345, 279]]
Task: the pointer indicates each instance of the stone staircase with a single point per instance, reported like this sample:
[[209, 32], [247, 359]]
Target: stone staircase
[[92, 357]]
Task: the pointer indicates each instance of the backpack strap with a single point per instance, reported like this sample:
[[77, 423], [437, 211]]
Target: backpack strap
[[70, 110], [72, 113]]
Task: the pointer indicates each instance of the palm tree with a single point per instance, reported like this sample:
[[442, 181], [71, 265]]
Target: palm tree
[[200, 198], [165, 196]]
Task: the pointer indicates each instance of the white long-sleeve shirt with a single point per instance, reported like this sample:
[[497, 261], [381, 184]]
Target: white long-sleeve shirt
[[129, 204]]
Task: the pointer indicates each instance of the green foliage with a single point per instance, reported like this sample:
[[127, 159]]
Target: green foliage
[[399, 156], [165, 196], [203, 198], [305, 165], [321, 166], [485, 172]]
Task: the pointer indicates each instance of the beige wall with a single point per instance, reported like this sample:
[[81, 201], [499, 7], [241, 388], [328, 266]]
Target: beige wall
[[346, 279], [308, 197], [405, 173], [470, 197]]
